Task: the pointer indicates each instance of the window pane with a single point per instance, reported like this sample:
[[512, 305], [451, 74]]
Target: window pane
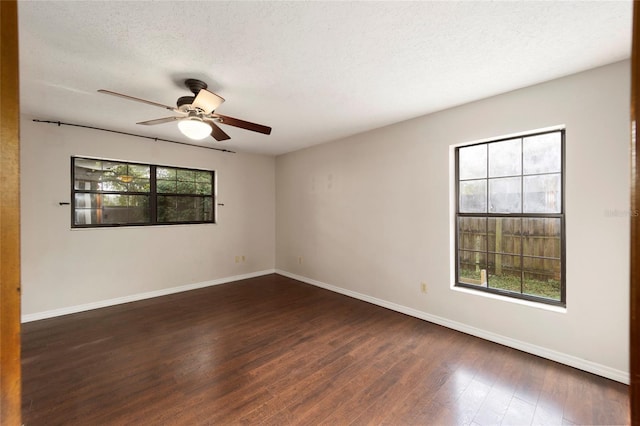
[[172, 209], [203, 189], [113, 167], [167, 173], [542, 154], [203, 177], [542, 237], [132, 209], [139, 171], [113, 185], [115, 175], [505, 272], [97, 181], [113, 200], [127, 173], [111, 209], [86, 200], [472, 162], [167, 209], [472, 267], [505, 195], [504, 235], [87, 174], [186, 187], [505, 158], [472, 233], [86, 217], [186, 175], [166, 186], [139, 185], [182, 181], [473, 196], [542, 277], [87, 163], [110, 176], [542, 193], [85, 183]]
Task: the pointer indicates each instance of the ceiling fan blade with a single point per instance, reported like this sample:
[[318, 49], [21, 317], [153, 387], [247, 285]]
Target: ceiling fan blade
[[216, 132], [159, 121], [207, 101], [131, 98], [224, 119]]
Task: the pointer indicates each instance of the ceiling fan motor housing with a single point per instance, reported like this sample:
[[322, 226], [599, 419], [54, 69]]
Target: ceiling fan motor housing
[[185, 100], [195, 85]]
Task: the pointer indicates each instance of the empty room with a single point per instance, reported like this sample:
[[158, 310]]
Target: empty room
[[402, 213]]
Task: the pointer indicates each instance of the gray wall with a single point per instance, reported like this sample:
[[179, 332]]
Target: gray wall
[[371, 216]]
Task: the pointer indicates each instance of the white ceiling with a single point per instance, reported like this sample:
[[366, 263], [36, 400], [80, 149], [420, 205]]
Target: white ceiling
[[313, 71]]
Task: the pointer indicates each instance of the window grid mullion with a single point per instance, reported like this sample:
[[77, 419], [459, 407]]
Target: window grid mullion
[[486, 230], [486, 177], [153, 187], [521, 219], [486, 223]]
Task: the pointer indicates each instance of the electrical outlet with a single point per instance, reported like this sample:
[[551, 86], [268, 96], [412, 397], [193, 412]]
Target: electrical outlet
[[243, 259], [423, 287], [300, 260], [237, 259]]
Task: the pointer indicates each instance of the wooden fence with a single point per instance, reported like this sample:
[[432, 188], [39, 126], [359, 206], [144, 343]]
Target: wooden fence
[[511, 246]]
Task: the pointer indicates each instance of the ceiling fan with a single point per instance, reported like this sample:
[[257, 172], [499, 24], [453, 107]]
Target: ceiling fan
[[196, 114]]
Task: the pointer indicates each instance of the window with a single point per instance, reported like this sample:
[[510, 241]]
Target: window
[[510, 217], [115, 193]]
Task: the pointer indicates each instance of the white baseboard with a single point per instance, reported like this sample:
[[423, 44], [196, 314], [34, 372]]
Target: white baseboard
[[140, 296], [570, 360]]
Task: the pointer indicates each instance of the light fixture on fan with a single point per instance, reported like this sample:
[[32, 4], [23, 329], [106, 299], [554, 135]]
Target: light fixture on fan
[[196, 115], [194, 128]]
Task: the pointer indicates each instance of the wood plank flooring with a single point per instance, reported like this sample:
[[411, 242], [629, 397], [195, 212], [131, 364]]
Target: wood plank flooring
[[274, 351]]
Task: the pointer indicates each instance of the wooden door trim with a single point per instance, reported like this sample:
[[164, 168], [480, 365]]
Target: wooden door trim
[[10, 400], [634, 313]]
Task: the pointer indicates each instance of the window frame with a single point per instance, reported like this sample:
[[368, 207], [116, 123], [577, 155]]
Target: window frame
[[487, 215], [152, 194]]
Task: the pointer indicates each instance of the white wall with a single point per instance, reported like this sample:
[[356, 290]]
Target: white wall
[[371, 216], [63, 269]]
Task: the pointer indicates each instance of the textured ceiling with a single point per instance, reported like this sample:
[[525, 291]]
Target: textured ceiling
[[313, 71]]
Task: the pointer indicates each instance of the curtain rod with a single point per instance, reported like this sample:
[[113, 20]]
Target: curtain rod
[[61, 123]]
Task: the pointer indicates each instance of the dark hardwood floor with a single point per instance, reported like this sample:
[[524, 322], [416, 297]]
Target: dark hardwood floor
[[272, 350]]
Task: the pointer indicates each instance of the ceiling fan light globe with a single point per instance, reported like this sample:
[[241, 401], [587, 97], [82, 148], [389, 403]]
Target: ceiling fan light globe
[[194, 129]]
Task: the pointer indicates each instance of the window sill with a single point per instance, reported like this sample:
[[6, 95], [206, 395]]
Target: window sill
[[536, 305], [90, 228]]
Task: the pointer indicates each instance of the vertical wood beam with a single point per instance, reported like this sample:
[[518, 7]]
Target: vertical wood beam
[[498, 263], [634, 320], [10, 403]]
